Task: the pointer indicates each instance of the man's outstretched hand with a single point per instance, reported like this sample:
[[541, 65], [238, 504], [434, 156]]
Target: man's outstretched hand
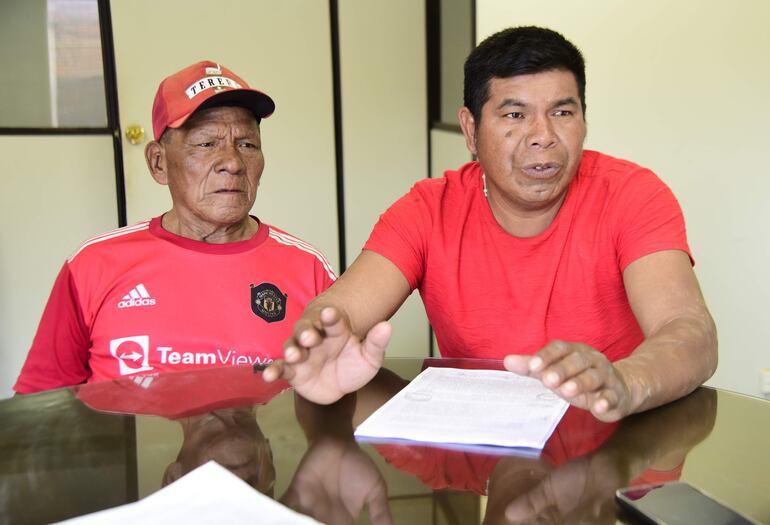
[[325, 360], [580, 375]]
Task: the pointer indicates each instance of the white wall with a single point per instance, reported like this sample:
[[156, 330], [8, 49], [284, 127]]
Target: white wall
[[681, 87], [448, 151], [384, 129], [57, 191]]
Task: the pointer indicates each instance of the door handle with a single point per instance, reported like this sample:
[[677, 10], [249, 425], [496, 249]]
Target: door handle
[[135, 134]]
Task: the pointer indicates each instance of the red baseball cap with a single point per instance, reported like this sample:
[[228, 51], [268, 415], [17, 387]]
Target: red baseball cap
[[204, 85]]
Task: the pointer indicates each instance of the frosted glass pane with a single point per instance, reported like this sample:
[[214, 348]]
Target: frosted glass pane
[[51, 49]]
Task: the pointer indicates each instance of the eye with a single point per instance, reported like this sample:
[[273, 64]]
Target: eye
[[248, 145], [563, 113], [514, 115], [205, 144]]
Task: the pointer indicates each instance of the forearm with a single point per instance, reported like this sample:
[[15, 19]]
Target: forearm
[[339, 296], [671, 362], [368, 292]]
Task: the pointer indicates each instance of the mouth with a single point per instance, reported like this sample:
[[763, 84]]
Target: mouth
[[226, 191], [541, 170]]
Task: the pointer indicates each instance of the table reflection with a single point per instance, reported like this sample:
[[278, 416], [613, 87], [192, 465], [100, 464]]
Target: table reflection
[[232, 438], [81, 447], [572, 481]]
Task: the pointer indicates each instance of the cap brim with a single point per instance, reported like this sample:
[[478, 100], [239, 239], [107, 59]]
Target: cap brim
[[261, 105], [255, 101]]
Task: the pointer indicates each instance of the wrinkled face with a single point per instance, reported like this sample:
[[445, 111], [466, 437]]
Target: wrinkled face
[[213, 165], [530, 138]]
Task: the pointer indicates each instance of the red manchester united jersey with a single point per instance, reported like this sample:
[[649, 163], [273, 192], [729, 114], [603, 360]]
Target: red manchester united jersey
[[142, 300]]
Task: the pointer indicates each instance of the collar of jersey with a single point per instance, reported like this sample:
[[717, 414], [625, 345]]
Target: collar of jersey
[[204, 247]]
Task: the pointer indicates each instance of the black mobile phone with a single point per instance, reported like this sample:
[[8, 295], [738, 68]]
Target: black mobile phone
[[676, 503]]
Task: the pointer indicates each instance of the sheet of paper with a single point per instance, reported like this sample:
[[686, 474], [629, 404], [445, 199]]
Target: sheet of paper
[[208, 494], [486, 407]]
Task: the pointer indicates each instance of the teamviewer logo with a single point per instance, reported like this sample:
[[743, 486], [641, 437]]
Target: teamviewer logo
[[132, 354]]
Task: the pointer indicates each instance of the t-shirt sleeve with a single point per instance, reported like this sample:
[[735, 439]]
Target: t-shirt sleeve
[[401, 235], [59, 353], [324, 274], [648, 219]]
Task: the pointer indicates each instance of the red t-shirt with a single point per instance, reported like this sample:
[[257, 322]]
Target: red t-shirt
[[141, 299], [488, 294]]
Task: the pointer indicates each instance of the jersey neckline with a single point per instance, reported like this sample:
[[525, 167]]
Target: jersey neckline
[[258, 238]]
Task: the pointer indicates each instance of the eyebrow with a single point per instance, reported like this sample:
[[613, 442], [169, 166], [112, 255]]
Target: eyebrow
[[565, 102], [512, 102]]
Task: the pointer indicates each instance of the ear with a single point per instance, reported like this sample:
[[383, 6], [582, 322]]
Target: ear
[[173, 472], [468, 124], [155, 155]]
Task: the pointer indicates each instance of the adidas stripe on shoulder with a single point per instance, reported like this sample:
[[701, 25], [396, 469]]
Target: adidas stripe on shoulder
[[289, 240], [119, 232]]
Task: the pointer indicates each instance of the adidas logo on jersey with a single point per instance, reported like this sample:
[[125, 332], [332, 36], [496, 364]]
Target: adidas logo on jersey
[[138, 296]]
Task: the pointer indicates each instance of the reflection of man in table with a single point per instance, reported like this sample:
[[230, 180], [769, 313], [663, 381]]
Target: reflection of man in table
[[216, 407], [571, 265], [204, 284], [580, 488], [573, 480], [232, 438]]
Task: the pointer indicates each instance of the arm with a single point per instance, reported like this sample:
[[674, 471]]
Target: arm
[[59, 353], [369, 291], [339, 342], [678, 354]]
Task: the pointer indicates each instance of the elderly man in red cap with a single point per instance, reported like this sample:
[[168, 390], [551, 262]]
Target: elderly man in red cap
[[204, 284]]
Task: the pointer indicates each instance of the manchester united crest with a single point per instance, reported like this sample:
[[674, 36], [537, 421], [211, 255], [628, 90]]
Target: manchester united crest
[[268, 302]]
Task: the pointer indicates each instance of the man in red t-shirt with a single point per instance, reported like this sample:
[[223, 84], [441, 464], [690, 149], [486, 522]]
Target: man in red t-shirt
[[205, 284], [570, 265]]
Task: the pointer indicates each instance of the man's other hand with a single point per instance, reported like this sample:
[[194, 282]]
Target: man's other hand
[[580, 375], [325, 360]]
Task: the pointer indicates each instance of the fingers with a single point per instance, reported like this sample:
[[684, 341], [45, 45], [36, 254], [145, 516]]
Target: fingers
[[535, 365], [579, 374], [294, 354], [518, 364], [589, 380], [377, 503], [334, 324], [538, 504], [307, 332], [575, 366], [553, 353], [606, 405], [275, 371], [373, 347], [313, 326]]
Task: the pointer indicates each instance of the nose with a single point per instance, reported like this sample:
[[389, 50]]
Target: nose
[[541, 132], [230, 160]]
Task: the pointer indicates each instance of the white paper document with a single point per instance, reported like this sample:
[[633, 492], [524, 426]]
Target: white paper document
[[210, 494], [480, 407]]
